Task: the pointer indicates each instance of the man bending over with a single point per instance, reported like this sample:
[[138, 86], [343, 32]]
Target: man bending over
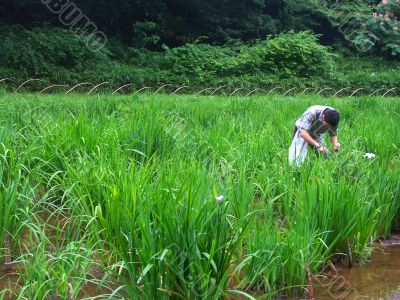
[[309, 132]]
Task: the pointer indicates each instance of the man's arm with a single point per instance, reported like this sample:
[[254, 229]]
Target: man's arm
[[307, 137], [334, 141]]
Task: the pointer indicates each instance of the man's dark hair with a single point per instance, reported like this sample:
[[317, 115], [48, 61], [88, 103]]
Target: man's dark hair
[[332, 117]]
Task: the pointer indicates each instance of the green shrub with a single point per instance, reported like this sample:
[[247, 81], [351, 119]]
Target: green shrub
[[387, 31], [289, 60], [289, 54], [368, 72], [197, 60], [40, 50], [369, 27]]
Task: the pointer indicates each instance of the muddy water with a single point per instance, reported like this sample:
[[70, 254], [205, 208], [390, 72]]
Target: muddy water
[[9, 281], [378, 279]]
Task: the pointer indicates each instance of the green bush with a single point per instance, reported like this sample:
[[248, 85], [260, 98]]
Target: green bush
[[40, 50], [288, 60], [380, 30], [368, 72], [289, 54], [198, 60], [369, 26]]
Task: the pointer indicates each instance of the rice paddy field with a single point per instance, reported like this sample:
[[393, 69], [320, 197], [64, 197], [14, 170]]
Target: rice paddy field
[[186, 197]]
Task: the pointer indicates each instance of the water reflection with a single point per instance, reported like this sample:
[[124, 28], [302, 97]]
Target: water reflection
[[379, 279]]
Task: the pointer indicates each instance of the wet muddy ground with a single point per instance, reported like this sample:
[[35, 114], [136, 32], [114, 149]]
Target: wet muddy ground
[[378, 279], [9, 281]]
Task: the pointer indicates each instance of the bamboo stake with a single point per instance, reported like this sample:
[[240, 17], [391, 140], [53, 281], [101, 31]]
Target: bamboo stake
[[310, 290], [350, 253]]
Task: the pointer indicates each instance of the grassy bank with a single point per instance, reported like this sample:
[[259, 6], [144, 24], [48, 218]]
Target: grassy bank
[[288, 60], [365, 74], [128, 185]]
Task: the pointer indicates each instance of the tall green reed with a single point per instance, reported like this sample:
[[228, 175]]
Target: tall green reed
[[142, 177]]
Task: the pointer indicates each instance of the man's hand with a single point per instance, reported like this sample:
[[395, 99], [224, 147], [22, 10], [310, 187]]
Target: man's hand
[[323, 149], [336, 145]]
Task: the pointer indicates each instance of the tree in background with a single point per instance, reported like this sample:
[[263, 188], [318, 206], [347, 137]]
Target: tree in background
[[177, 22], [384, 25]]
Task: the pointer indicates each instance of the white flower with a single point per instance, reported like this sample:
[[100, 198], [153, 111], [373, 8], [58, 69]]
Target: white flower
[[369, 155], [219, 198]]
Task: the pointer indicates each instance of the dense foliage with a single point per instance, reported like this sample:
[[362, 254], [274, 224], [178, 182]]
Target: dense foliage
[[132, 185], [284, 56], [140, 23], [178, 22], [42, 50], [385, 26], [255, 44], [289, 60], [185, 197]]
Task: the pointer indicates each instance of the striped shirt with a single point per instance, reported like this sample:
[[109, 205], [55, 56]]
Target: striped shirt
[[311, 121]]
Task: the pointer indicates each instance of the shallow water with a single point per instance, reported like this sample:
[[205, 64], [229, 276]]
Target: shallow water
[[9, 281], [378, 279]]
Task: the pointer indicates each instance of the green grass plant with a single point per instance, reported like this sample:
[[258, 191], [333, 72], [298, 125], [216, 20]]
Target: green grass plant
[[141, 174]]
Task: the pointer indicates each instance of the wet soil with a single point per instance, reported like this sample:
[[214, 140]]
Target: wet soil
[[9, 281], [378, 279]]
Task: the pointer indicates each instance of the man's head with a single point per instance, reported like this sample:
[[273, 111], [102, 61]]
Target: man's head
[[331, 117]]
